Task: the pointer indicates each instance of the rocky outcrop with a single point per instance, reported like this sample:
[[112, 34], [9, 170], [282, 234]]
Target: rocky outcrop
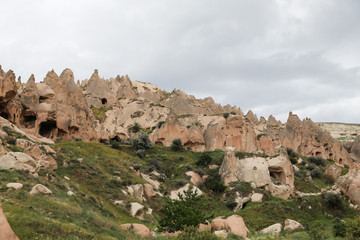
[[18, 161], [292, 225], [139, 229], [6, 232], [350, 185], [355, 149], [40, 189], [7, 86], [274, 173], [274, 229], [333, 171], [98, 92], [234, 224]]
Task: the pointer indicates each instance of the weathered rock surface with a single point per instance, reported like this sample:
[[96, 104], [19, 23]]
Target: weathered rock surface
[[274, 229], [355, 149], [333, 171], [18, 161], [16, 186], [6, 233], [350, 185], [194, 177], [40, 189], [292, 225], [261, 171], [233, 224], [139, 229]]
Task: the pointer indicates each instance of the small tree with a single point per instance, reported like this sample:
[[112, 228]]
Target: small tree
[[142, 141], [176, 145], [177, 214]]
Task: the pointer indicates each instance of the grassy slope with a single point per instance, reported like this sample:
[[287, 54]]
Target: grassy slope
[[90, 214]]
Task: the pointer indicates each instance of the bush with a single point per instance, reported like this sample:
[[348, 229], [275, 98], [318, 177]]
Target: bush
[[180, 182], [204, 160], [232, 236], [316, 173], [178, 214], [181, 158], [353, 229], [135, 128], [318, 161], [332, 201], [226, 115], [214, 183], [298, 174], [142, 141], [141, 153], [176, 145], [193, 234], [200, 172], [339, 228]]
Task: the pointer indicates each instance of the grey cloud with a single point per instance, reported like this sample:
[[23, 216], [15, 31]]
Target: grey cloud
[[273, 56]]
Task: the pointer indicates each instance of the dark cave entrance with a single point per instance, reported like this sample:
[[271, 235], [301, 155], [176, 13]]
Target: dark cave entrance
[[29, 121], [4, 115], [103, 101], [47, 128], [278, 174]]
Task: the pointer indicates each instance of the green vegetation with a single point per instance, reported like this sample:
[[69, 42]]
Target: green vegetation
[[99, 112], [178, 214], [176, 145], [99, 172]]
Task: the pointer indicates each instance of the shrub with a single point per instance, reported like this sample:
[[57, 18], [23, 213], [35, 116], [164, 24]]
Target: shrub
[[200, 172], [316, 173], [181, 158], [298, 174], [332, 201], [226, 115], [339, 228], [159, 124], [214, 183], [115, 144], [244, 188], [231, 204], [353, 229], [180, 182], [311, 167], [176, 145], [178, 214], [204, 160], [142, 141], [318, 161], [135, 128], [141, 153], [232, 236]]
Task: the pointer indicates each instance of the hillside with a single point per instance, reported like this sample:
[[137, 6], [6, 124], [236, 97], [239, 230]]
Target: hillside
[[116, 159], [343, 132]]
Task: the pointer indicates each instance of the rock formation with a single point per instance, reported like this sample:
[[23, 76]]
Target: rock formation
[[60, 108], [274, 173], [350, 185]]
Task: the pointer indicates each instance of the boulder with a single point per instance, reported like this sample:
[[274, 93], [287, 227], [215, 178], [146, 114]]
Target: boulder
[[218, 224], [137, 210], [174, 194], [139, 229], [149, 191], [18, 161], [136, 191], [16, 186], [195, 177], [237, 226], [6, 233], [205, 226], [274, 229], [40, 189], [221, 234], [350, 185], [292, 225], [257, 197], [333, 171]]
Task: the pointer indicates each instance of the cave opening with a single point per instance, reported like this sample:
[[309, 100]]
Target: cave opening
[[278, 174], [318, 154], [29, 121], [47, 128], [103, 101], [115, 139], [4, 115]]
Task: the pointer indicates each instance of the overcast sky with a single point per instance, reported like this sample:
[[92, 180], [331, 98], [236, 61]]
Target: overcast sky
[[271, 56]]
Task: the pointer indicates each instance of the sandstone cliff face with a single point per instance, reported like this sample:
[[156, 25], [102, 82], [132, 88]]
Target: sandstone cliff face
[[350, 185]]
